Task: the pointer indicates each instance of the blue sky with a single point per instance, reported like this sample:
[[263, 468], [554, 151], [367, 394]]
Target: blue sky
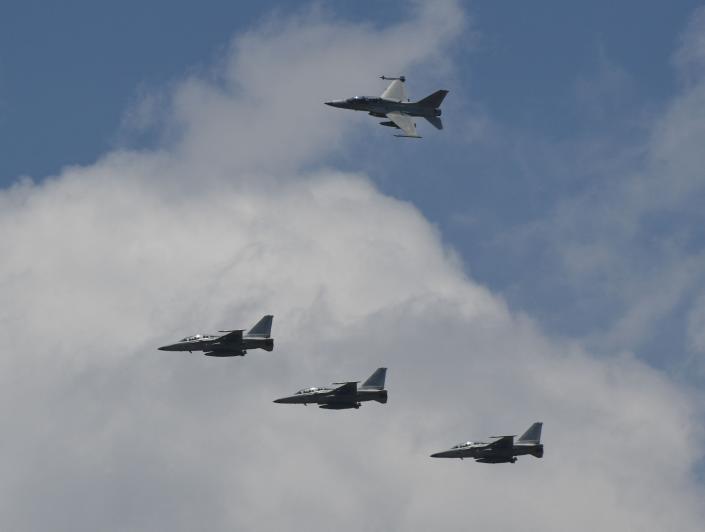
[[553, 84], [74, 68], [68, 73], [558, 235]]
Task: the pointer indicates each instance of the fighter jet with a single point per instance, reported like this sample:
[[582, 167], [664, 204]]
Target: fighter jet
[[342, 395], [394, 105], [232, 344], [500, 451]]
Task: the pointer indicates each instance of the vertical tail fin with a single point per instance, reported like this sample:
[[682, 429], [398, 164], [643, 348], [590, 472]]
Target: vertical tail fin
[[533, 435], [433, 100], [376, 380], [263, 328]]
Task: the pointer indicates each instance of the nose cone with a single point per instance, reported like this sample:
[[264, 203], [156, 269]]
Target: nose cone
[[336, 103], [285, 400], [167, 348], [442, 454]]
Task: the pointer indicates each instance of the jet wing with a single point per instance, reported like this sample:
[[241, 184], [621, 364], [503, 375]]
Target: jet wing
[[502, 442], [405, 123], [395, 91], [346, 388], [231, 337]]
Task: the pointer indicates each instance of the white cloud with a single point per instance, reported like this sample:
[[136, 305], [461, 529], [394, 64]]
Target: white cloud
[[104, 263], [290, 67]]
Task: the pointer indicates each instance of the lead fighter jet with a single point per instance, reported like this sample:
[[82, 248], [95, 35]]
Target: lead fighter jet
[[502, 450], [232, 344], [394, 105], [342, 395]]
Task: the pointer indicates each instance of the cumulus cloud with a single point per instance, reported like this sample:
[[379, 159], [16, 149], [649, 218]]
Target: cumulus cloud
[[235, 216], [289, 67]]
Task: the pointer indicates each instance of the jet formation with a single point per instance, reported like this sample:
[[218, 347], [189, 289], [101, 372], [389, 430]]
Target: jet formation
[[394, 105], [234, 343], [342, 395], [503, 450], [399, 112]]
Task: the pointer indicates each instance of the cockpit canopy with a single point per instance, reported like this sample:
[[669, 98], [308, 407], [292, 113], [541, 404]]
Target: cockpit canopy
[[192, 338], [313, 389], [307, 390], [461, 445], [358, 99]]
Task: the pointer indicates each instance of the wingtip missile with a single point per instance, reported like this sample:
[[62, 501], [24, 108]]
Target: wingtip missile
[[389, 78]]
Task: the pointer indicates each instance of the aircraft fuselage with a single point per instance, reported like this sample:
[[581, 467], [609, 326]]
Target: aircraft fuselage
[[380, 107], [326, 398], [481, 453], [215, 347]]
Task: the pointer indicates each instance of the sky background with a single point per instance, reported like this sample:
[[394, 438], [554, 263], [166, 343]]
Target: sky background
[[540, 258], [553, 97]]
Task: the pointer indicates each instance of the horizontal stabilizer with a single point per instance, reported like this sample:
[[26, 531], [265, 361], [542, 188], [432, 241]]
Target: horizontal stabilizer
[[435, 121]]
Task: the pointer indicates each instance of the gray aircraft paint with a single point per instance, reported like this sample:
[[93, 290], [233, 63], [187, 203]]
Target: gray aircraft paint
[[233, 343], [394, 105], [342, 395], [503, 450]]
